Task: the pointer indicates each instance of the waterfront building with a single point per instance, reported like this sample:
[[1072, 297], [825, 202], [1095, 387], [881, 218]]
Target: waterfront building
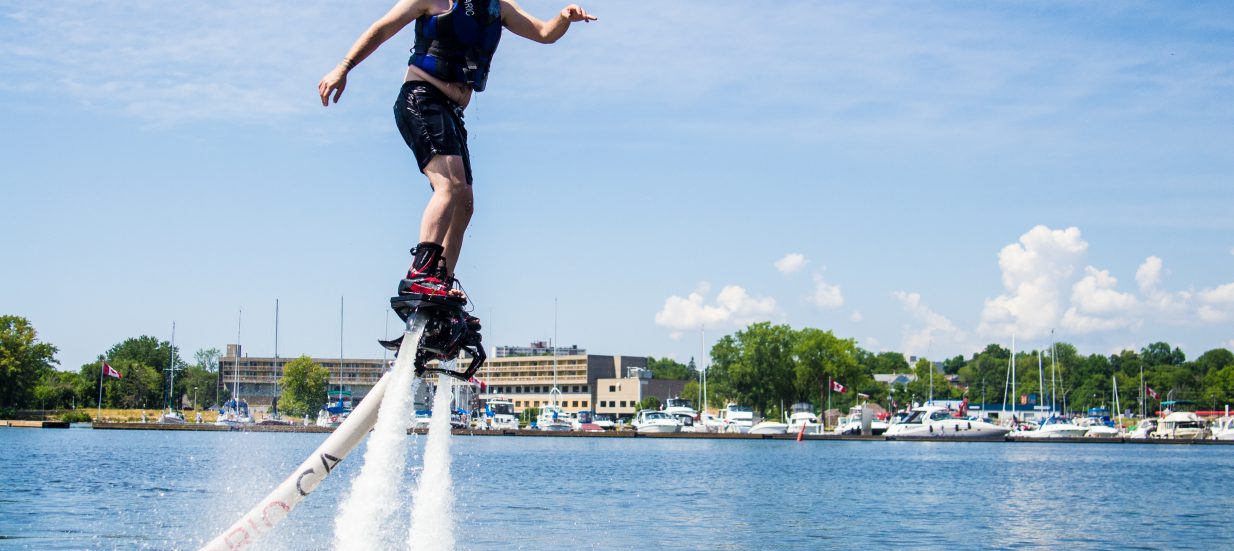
[[522, 374], [258, 376]]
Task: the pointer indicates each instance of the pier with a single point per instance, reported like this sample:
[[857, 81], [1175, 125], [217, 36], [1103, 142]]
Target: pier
[[532, 433]]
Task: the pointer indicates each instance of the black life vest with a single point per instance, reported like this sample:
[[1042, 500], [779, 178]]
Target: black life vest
[[458, 46]]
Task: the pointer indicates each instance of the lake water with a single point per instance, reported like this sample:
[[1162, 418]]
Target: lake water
[[88, 489]]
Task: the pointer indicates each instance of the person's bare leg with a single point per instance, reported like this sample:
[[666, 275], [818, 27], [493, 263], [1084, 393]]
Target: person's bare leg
[[449, 210]]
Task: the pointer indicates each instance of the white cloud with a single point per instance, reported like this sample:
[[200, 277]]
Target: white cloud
[[825, 295], [792, 262], [1095, 294], [1148, 275], [1097, 306], [1208, 314], [733, 307], [1034, 272], [934, 326], [856, 316], [1222, 294]]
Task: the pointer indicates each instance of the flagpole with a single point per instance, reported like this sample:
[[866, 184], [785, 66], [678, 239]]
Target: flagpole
[[98, 416], [828, 403]]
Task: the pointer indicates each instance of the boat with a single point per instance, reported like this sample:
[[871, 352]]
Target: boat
[[851, 424], [1223, 428], [604, 421], [1144, 429], [332, 415], [422, 419], [685, 414], [552, 417], [234, 413], [803, 419], [499, 414], [769, 427], [655, 421], [737, 418], [939, 422], [1099, 424], [1054, 426], [172, 417], [584, 422], [1181, 424]]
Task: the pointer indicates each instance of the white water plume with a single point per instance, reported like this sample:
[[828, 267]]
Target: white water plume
[[432, 520], [363, 518]]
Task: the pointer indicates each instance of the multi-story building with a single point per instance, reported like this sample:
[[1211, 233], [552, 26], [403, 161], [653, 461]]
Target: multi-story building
[[525, 375], [257, 378]]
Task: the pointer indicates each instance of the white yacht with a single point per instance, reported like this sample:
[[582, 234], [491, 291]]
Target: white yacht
[[1099, 424], [584, 421], [737, 418], [648, 421], [604, 421], [769, 427], [1181, 424], [552, 418], [803, 419], [499, 415], [851, 424], [938, 422], [1223, 428], [1144, 429], [685, 414], [1054, 427]]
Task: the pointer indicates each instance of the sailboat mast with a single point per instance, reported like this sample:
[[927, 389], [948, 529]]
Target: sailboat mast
[[1040, 381], [276, 328], [235, 390], [171, 366], [1014, 397]]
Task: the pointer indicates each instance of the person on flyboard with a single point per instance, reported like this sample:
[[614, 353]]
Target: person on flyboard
[[454, 45]]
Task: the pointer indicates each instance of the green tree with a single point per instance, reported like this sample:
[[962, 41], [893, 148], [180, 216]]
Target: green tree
[[304, 387], [649, 402], [821, 356], [667, 368], [57, 390], [758, 364], [203, 381], [23, 362], [208, 359], [159, 356]]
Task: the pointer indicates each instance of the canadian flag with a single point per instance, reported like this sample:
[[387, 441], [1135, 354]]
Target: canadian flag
[[1151, 392], [476, 381], [836, 386], [111, 372]]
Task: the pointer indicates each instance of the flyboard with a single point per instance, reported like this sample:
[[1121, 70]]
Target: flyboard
[[435, 331]]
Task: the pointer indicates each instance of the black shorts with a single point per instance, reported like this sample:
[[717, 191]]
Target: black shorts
[[431, 124]]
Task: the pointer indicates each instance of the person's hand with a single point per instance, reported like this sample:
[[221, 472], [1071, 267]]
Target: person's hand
[[575, 13], [334, 81]]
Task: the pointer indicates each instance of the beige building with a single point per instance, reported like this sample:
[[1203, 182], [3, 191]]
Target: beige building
[[525, 375], [620, 396], [257, 378]]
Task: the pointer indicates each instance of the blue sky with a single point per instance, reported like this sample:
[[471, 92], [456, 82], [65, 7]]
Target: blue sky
[[923, 177]]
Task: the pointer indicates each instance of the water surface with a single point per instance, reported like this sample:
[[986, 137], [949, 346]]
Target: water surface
[[88, 489]]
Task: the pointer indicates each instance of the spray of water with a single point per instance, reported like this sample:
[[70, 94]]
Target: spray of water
[[432, 519], [363, 518]]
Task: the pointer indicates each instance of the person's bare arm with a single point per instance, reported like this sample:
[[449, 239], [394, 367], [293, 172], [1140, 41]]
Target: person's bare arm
[[404, 12], [545, 32]]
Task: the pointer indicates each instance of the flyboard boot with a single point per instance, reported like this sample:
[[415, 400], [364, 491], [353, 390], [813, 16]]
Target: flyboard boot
[[428, 291]]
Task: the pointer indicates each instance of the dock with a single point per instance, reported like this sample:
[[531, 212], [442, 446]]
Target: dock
[[532, 433]]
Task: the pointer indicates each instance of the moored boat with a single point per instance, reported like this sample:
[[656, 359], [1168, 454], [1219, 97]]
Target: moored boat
[[654, 421], [939, 422]]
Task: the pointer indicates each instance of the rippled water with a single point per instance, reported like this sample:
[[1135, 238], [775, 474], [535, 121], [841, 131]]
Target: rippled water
[[87, 489]]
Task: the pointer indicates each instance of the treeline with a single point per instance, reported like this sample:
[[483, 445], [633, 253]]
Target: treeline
[[29, 378], [766, 365]]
